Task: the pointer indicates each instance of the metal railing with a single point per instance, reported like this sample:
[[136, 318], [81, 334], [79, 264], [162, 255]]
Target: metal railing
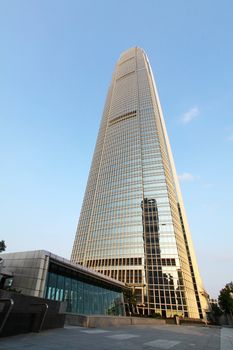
[[11, 304], [44, 314]]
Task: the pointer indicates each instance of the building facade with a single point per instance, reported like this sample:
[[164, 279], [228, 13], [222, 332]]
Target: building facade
[[46, 275], [133, 225]]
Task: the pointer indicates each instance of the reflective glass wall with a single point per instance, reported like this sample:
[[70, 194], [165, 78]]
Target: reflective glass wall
[[132, 225], [83, 295]]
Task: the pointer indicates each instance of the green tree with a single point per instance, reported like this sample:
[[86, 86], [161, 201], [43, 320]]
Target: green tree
[[216, 311], [2, 246], [225, 298]]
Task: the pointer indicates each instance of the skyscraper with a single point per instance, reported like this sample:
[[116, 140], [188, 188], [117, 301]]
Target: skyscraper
[[133, 225]]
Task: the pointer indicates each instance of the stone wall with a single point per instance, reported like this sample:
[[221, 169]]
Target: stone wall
[[27, 314], [109, 321]]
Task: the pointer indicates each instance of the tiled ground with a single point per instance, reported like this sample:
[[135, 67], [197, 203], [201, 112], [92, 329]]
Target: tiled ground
[[127, 338]]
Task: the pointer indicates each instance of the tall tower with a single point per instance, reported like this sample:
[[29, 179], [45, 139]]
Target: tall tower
[[133, 225]]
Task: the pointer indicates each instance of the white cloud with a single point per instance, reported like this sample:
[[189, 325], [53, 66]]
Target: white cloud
[[208, 185], [230, 138], [188, 116], [186, 177]]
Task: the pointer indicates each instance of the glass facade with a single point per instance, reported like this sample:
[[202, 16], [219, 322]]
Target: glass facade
[[132, 225], [83, 294]]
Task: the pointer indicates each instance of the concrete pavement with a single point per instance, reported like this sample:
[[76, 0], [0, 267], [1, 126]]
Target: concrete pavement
[[128, 338], [226, 339]]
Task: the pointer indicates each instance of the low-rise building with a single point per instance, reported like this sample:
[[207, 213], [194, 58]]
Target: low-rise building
[[43, 274]]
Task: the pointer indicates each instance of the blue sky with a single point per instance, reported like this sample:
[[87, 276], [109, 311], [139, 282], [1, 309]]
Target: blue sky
[[56, 63]]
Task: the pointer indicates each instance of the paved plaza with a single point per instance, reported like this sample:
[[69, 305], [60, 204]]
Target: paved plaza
[[128, 338]]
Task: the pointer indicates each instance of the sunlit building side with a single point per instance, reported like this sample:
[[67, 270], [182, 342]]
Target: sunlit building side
[[133, 225]]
